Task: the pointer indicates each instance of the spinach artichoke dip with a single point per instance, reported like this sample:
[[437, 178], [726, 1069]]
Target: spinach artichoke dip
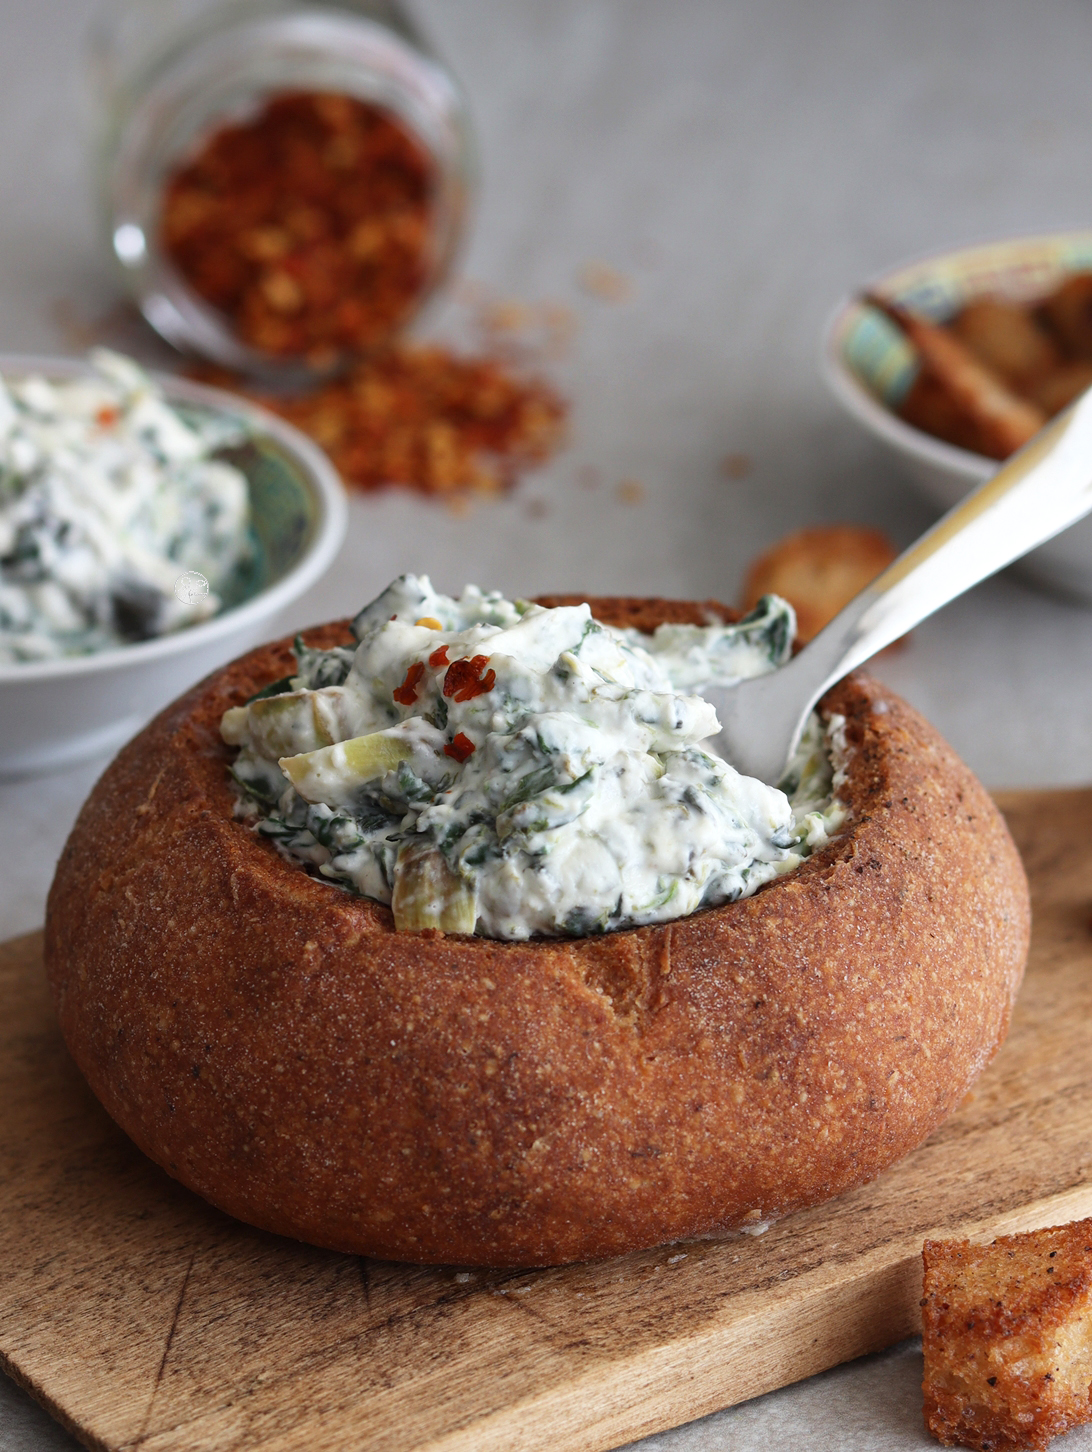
[[511, 770], [108, 495]]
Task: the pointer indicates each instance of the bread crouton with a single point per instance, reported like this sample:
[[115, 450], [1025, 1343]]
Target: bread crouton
[[1057, 389], [929, 406], [1002, 419], [1068, 312], [818, 570], [1007, 1337], [1007, 338]]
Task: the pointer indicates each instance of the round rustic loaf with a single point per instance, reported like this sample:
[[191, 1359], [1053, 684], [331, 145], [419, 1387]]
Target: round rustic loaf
[[275, 1045]]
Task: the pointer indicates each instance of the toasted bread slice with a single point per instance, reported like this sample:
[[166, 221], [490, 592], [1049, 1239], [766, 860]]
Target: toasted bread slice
[[1002, 419], [1068, 312], [1007, 1336], [818, 570], [1057, 389], [1008, 338]]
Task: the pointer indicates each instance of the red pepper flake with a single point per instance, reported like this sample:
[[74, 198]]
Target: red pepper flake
[[466, 679], [406, 693], [438, 658], [461, 749], [107, 417]]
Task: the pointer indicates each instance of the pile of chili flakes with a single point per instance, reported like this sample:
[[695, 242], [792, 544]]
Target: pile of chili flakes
[[426, 418], [307, 225]]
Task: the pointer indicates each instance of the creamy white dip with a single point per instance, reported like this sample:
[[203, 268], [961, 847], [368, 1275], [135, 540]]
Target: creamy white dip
[[510, 770], [108, 497]]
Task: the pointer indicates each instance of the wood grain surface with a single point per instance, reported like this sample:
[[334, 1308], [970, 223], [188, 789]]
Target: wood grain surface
[[141, 1317]]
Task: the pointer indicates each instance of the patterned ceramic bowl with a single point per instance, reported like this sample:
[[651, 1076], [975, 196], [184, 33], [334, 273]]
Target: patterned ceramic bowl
[[56, 712], [869, 366]]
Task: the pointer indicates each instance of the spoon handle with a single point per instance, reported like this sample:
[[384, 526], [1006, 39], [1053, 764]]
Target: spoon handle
[[1040, 491]]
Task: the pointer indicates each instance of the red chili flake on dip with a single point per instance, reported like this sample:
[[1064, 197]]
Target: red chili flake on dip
[[461, 749], [308, 224], [438, 658], [406, 693], [466, 679]]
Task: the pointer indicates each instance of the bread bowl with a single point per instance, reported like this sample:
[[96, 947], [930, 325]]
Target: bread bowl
[[279, 1048]]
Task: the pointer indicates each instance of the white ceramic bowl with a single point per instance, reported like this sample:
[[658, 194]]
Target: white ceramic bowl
[[868, 365], [54, 713]]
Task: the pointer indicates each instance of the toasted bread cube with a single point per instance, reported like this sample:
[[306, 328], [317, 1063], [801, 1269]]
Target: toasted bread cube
[[818, 571], [1007, 1337]]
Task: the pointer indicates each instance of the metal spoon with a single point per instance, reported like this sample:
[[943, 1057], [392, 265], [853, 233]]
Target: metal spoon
[[1039, 492]]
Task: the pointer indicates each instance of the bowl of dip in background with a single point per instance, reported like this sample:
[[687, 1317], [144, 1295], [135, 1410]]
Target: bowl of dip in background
[[58, 711], [869, 366]]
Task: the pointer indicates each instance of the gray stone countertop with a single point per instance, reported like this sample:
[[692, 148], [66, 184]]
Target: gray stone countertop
[[740, 166]]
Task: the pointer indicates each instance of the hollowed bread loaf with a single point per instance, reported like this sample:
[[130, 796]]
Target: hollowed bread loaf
[[275, 1045]]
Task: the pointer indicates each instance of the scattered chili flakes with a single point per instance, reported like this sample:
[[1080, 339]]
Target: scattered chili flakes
[[630, 491], [468, 678], [605, 282], [406, 693], [422, 417], [308, 225], [513, 330], [461, 748]]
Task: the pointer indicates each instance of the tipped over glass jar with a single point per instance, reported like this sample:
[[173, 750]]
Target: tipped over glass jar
[[286, 184]]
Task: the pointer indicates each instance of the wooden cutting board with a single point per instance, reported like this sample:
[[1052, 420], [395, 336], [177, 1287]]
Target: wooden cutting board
[[141, 1317]]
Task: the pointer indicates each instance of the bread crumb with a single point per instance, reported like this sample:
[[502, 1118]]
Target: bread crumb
[[737, 466], [630, 491]]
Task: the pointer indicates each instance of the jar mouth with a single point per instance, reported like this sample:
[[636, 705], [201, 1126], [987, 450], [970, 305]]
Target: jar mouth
[[224, 77]]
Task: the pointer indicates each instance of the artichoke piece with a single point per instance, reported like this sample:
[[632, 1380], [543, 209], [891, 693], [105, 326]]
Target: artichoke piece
[[336, 773], [235, 725], [427, 894], [287, 725]]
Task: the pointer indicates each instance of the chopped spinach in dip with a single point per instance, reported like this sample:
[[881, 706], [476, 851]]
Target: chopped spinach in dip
[[108, 496], [511, 770]]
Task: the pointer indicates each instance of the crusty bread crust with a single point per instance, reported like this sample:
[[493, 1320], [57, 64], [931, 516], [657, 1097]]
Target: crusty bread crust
[[275, 1045], [645, 612]]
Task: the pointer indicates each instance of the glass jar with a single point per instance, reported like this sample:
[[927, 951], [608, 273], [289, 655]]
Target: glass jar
[[174, 73]]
